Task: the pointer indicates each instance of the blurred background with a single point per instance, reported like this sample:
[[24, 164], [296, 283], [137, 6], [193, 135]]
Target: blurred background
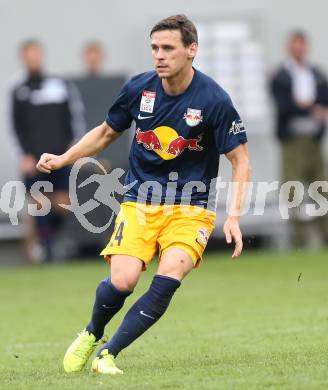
[[93, 47]]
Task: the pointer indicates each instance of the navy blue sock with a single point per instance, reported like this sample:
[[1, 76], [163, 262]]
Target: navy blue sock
[[109, 300], [144, 313]]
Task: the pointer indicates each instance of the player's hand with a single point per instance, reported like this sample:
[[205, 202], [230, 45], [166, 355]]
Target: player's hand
[[27, 165], [50, 162], [232, 233], [319, 113], [303, 105]]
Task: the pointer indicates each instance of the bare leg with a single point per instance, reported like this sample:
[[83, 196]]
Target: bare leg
[[125, 271], [175, 263]]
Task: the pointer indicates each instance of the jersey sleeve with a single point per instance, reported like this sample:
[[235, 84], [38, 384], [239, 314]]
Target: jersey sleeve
[[229, 130], [119, 117]]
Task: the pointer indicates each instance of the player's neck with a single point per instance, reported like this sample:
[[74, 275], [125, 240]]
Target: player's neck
[[179, 83]]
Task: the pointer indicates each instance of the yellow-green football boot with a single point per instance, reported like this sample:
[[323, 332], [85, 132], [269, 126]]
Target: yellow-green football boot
[[105, 364], [79, 352]]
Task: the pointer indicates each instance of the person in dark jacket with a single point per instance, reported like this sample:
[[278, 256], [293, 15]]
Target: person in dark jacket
[[46, 111], [300, 92]]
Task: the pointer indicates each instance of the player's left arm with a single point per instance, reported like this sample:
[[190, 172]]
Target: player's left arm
[[241, 175]]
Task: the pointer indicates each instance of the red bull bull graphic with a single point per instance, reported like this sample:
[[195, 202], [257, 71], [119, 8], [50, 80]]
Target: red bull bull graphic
[[148, 139], [180, 144], [166, 142]]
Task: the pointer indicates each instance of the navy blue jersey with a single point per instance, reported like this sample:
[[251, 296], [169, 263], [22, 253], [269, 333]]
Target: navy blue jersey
[[176, 149]]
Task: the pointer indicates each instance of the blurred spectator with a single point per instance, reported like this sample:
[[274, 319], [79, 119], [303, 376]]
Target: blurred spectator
[[93, 57], [46, 114], [98, 90], [300, 92]]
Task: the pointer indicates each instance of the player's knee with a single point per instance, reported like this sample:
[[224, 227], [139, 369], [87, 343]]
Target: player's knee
[[176, 270], [123, 282], [175, 263]]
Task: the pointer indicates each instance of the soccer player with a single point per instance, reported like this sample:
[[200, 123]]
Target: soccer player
[[184, 122]]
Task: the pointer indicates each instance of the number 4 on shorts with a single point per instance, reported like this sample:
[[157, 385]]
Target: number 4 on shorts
[[119, 233]]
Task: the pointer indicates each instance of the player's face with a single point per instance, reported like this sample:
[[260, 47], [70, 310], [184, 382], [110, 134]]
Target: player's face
[[298, 49], [93, 57], [170, 56], [32, 58]]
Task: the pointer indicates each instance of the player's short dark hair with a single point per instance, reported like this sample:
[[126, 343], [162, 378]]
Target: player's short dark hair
[[178, 22], [298, 34], [93, 45], [30, 42]]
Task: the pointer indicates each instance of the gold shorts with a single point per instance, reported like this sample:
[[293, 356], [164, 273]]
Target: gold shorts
[[142, 230]]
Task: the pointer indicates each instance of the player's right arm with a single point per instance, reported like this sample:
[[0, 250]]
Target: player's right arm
[[91, 144]]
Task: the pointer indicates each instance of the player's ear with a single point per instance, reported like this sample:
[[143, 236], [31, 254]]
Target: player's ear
[[192, 50]]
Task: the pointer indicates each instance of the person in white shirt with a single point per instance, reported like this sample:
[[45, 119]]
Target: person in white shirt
[[300, 92]]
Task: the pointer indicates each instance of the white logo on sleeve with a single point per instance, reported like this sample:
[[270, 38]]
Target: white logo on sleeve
[[237, 127]]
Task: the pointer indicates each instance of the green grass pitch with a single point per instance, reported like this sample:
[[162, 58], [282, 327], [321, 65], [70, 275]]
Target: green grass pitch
[[260, 322]]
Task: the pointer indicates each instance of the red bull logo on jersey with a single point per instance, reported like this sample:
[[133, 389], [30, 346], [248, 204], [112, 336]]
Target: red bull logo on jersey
[[148, 139], [166, 142], [193, 117], [180, 144]]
